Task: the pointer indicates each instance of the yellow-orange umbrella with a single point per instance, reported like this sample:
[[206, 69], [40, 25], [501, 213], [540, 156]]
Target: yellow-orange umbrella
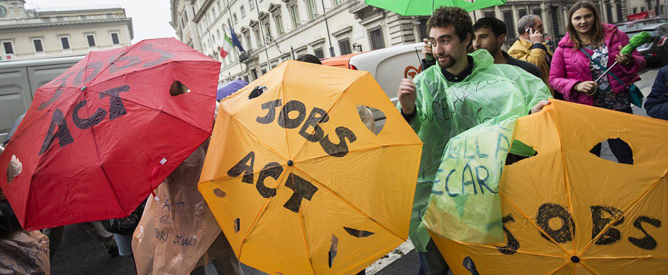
[[567, 211], [296, 180]]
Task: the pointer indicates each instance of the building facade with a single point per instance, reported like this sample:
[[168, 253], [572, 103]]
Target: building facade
[[272, 31], [43, 33]]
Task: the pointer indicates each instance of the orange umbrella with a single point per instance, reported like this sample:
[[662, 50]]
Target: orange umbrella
[[567, 211], [296, 180]]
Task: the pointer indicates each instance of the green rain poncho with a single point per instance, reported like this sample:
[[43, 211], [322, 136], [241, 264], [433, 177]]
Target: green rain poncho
[[491, 93]]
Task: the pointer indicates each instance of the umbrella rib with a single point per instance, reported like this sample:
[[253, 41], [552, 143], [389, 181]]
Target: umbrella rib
[[336, 103], [588, 268], [65, 114], [125, 100], [532, 223], [495, 248], [362, 150], [558, 268], [348, 203], [645, 257], [251, 133], [130, 48], [569, 199], [99, 158], [629, 208], [262, 210], [257, 139], [308, 251], [285, 130]]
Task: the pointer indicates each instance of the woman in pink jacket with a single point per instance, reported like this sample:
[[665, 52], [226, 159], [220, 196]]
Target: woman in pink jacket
[[573, 72]]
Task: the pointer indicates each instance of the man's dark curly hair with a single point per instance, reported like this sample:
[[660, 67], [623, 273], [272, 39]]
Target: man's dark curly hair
[[446, 16]]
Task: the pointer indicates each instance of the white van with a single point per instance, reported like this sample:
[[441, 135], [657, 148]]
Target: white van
[[388, 66], [18, 82]]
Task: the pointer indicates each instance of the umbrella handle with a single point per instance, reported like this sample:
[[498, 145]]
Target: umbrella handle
[[606, 72]]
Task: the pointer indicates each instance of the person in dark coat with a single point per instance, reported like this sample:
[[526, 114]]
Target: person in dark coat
[[657, 101]]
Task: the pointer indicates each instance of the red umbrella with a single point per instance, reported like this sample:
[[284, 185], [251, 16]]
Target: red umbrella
[[101, 136]]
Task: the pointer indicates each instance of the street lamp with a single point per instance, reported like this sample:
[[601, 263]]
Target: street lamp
[[329, 37]]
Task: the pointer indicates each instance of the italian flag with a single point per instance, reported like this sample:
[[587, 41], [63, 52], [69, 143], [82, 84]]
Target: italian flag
[[227, 46]]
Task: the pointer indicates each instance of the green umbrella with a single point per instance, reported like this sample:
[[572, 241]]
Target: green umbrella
[[426, 7]]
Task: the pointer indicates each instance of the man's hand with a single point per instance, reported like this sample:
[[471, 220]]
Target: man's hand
[[538, 107], [426, 50], [406, 95], [535, 36], [624, 59]]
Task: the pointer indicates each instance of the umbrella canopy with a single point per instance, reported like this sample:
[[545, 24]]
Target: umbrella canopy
[[567, 211], [97, 139], [298, 183], [226, 89], [427, 7]]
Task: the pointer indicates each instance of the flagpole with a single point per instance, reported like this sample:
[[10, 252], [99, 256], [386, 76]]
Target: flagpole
[[229, 10]]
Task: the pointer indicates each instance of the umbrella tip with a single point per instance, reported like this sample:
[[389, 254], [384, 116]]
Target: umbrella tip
[[575, 259], [290, 163]]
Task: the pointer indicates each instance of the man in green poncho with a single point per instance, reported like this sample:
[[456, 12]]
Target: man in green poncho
[[443, 101]]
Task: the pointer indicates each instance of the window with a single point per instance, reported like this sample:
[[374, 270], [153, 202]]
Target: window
[[537, 11], [109, 15], [37, 43], [311, 7], [555, 20], [608, 12], [319, 52], [46, 19], [267, 29], [294, 15], [60, 18], [253, 74], [114, 38], [234, 18], [248, 40], [489, 14], [522, 13], [377, 40], [91, 40], [642, 9], [279, 24], [344, 46], [336, 2], [218, 31], [258, 39], [243, 11], [8, 46], [510, 24], [65, 42], [83, 17], [251, 3]]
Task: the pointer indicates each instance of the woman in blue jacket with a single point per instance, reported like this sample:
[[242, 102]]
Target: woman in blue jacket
[[657, 101]]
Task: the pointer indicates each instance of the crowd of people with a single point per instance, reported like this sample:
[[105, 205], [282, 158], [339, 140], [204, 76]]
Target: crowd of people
[[457, 52]]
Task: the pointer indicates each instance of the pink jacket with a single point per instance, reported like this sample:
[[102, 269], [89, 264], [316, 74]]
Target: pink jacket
[[570, 65]]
